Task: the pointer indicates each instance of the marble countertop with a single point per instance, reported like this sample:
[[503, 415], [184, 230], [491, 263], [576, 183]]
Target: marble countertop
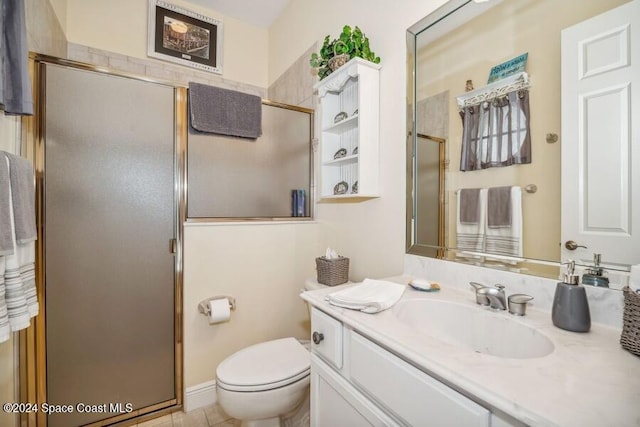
[[588, 380]]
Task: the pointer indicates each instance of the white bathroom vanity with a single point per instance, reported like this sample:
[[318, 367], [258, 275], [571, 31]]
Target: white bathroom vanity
[[411, 365]]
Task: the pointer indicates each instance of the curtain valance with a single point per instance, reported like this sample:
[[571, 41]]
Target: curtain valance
[[495, 122]]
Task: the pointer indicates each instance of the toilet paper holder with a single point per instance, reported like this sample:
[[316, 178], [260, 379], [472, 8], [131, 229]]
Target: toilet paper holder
[[203, 306]]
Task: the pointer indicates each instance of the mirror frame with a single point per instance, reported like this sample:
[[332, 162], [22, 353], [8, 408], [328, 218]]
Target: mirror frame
[[535, 267], [530, 266]]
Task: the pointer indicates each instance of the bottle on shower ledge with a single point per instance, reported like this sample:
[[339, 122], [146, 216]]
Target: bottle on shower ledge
[[570, 309]]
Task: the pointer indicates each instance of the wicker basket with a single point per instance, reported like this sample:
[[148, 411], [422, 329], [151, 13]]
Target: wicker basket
[[338, 61], [630, 337], [332, 272]]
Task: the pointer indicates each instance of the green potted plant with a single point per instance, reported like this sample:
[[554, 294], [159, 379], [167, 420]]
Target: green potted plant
[[335, 53]]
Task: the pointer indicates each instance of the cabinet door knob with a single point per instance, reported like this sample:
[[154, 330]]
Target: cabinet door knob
[[317, 337]]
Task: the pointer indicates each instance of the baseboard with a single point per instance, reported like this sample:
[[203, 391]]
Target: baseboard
[[200, 395]]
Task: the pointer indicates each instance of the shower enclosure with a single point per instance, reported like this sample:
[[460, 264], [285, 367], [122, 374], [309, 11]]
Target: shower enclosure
[[110, 257], [110, 153]]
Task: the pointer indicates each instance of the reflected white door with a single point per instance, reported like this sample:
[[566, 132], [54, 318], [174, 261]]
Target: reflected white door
[[601, 136]]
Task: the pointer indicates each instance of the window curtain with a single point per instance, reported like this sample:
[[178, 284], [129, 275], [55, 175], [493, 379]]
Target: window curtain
[[496, 132], [15, 85]]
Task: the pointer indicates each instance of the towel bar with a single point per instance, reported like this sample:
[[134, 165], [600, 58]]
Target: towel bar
[[530, 188]]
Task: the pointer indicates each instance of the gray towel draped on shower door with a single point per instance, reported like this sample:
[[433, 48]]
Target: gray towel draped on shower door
[[15, 84]]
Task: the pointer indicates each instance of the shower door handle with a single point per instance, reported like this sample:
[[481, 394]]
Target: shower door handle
[[173, 246]]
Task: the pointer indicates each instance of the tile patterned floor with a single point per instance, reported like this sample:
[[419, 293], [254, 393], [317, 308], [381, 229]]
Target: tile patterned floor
[[209, 416]]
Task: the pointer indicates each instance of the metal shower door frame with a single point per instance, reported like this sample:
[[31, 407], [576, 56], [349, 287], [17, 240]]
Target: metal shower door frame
[[33, 386]]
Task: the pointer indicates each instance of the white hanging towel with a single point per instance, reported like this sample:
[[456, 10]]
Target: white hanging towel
[[506, 239], [18, 299], [371, 296], [470, 235], [5, 328]]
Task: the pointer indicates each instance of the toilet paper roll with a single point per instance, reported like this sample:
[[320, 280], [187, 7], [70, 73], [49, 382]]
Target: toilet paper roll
[[219, 310]]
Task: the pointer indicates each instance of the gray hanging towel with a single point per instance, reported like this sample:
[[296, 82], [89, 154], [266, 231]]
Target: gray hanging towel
[[6, 236], [224, 112], [499, 207], [15, 85], [23, 198], [469, 206]]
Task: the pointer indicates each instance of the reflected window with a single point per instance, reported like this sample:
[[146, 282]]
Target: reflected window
[[496, 132]]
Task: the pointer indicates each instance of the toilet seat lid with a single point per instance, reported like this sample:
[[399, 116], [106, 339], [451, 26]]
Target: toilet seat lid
[[264, 366]]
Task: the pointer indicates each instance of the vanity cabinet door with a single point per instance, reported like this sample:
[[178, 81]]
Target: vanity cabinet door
[[335, 403], [326, 337], [407, 392]]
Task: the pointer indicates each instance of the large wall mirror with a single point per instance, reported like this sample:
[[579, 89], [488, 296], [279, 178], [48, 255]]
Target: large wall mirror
[[552, 138]]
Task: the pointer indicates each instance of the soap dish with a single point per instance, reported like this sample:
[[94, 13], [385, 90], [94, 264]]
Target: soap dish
[[424, 285]]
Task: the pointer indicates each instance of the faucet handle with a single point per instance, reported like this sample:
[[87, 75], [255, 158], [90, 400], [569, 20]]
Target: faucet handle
[[481, 298], [518, 304], [499, 287]]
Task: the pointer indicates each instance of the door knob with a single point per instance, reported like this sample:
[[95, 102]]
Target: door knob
[[572, 246], [317, 337]]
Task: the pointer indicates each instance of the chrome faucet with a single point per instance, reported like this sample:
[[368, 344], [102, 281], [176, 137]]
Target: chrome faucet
[[496, 295], [496, 298]]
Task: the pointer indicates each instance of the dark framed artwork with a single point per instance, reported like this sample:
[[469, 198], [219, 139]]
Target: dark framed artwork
[[184, 37]]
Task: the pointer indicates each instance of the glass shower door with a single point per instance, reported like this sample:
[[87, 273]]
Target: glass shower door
[[109, 218]]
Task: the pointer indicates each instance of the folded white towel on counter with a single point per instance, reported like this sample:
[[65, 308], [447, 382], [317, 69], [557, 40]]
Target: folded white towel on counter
[[371, 296]]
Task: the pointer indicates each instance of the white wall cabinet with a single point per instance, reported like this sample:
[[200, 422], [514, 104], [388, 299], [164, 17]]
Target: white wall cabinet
[[349, 131], [373, 387]]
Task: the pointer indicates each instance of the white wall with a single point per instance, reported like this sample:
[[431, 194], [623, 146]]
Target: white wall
[[9, 132], [60, 10], [371, 233], [264, 266], [121, 26]]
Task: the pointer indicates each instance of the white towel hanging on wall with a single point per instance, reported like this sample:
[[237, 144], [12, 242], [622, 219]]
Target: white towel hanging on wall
[[479, 241], [470, 237], [18, 298], [508, 240]]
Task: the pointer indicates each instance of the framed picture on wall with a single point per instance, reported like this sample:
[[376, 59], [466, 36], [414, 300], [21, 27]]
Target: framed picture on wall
[[184, 37]]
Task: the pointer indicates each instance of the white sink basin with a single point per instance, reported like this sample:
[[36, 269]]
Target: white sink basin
[[475, 328]]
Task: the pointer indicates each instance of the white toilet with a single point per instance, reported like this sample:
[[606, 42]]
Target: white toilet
[[263, 384]]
